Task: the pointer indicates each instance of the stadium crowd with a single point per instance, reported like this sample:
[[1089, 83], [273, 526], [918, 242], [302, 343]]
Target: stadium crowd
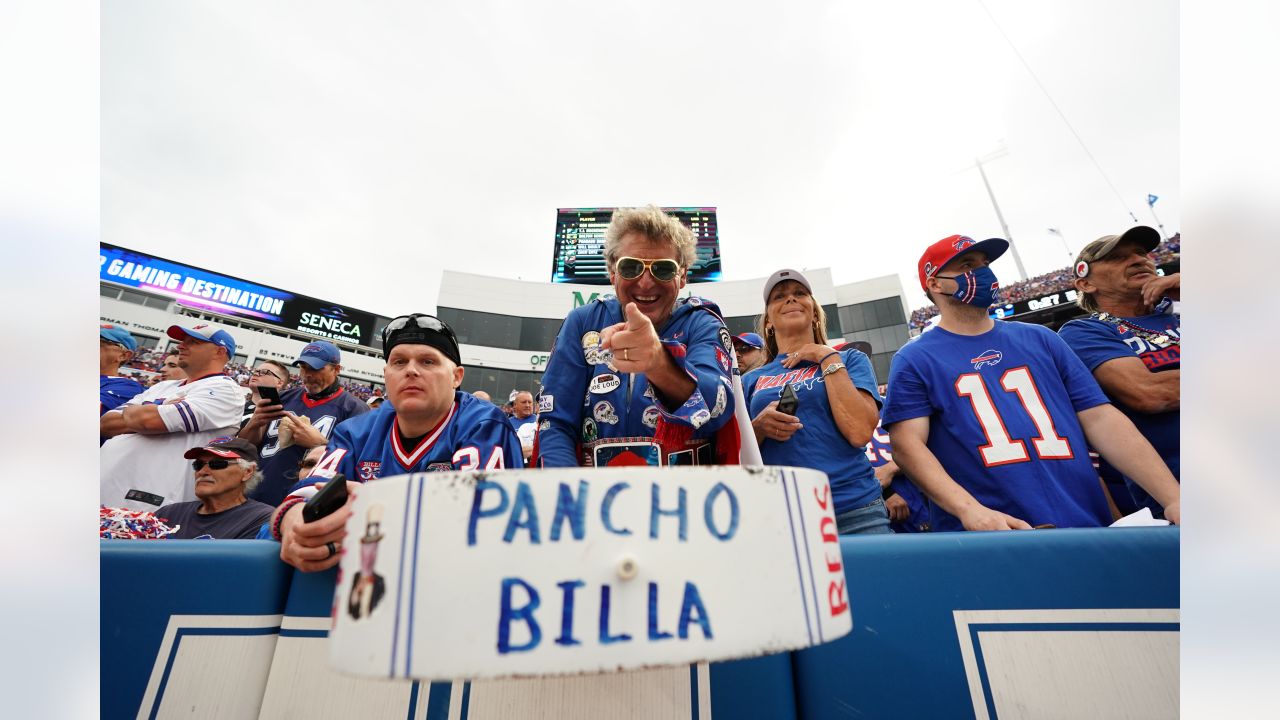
[[986, 426], [1045, 284]]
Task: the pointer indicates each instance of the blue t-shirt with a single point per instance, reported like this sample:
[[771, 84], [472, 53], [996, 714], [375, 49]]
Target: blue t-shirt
[[1096, 342], [583, 400], [819, 444], [879, 452], [280, 467], [1002, 420]]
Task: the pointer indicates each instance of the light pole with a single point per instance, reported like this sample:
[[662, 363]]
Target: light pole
[[1017, 259], [1061, 237]]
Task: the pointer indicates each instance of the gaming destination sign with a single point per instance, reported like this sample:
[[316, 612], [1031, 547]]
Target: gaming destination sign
[[194, 287], [569, 571]]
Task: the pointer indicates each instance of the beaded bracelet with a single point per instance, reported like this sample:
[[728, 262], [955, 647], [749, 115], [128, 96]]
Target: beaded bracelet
[[285, 507]]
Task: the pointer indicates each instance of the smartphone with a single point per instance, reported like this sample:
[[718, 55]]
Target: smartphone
[[332, 496], [788, 403], [267, 392]]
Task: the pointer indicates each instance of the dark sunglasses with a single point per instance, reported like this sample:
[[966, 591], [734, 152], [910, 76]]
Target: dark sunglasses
[[214, 464], [422, 322], [630, 268]]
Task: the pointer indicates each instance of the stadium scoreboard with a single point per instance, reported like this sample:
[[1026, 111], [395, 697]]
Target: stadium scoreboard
[[578, 256]]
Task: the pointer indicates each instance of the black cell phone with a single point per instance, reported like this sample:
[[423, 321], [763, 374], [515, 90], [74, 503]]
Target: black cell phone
[[266, 392], [332, 496], [788, 403]]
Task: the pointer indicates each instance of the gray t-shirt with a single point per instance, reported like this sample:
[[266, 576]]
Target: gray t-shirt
[[238, 523]]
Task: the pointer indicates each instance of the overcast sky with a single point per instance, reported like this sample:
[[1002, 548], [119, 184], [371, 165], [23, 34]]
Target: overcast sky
[[351, 151]]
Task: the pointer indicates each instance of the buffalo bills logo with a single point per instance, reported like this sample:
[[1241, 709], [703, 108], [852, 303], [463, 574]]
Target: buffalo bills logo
[[989, 357], [368, 470], [961, 243], [199, 327]]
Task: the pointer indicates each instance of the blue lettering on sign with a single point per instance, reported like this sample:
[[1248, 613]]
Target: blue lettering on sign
[[716, 491], [693, 602], [524, 514], [654, 632], [566, 612], [478, 512], [521, 614], [607, 506], [605, 637], [571, 510], [655, 510]]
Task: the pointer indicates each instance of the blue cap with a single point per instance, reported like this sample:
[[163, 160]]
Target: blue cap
[[751, 339], [206, 333], [318, 354], [119, 336]]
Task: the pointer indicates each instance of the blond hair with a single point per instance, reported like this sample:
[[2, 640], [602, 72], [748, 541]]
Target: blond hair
[[654, 224]]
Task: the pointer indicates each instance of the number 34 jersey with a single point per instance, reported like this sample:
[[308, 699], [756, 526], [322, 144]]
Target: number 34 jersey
[[475, 435], [1002, 420]]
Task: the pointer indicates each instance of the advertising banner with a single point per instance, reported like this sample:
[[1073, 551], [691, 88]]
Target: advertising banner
[[525, 573], [194, 287]]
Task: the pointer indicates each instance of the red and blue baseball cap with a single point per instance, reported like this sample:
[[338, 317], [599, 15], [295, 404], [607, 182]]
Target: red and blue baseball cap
[[207, 333], [937, 255], [751, 339], [118, 336], [318, 354], [226, 447]]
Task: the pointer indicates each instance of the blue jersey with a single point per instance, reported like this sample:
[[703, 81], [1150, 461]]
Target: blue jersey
[[819, 444], [582, 399], [879, 452], [280, 467], [517, 423], [475, 435], [1096, 342], [1002, 420], [114, 391]]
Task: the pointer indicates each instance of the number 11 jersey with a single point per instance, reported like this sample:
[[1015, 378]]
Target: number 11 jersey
[[1002, 420]]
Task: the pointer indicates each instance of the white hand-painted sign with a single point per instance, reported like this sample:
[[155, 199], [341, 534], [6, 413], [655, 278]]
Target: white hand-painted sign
[[552, 572]]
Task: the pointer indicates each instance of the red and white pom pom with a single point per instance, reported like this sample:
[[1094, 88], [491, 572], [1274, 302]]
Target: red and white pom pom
[[123, 524]]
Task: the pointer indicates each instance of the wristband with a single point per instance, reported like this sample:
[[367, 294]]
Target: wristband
[[285, 507], [824, 357], [887, 492]]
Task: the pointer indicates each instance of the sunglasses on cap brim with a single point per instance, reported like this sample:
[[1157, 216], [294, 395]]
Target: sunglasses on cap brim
[[629, 268], [421, 322]]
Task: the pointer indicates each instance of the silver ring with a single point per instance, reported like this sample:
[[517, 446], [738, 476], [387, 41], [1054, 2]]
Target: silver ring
[[333, 549]]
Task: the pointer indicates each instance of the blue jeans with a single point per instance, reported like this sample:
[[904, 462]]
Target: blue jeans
[[870, 519]]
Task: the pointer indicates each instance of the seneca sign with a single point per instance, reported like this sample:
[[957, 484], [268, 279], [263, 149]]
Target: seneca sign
[[552, 572]]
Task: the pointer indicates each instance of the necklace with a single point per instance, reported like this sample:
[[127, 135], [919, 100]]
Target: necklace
[[1160, 340]]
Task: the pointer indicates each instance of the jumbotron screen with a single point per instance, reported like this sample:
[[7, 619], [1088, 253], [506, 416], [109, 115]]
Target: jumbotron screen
[[579, 251]]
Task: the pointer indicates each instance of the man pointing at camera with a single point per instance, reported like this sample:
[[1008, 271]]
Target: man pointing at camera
[[641, 378]]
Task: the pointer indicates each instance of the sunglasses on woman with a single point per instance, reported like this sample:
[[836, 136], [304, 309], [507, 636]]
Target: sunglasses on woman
[[630, 268], [214, 464]]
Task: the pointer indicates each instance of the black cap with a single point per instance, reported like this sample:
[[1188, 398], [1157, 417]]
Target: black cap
[[421, 329]]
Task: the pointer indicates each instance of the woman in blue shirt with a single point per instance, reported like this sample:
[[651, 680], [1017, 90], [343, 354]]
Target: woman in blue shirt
[[838, 403]]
